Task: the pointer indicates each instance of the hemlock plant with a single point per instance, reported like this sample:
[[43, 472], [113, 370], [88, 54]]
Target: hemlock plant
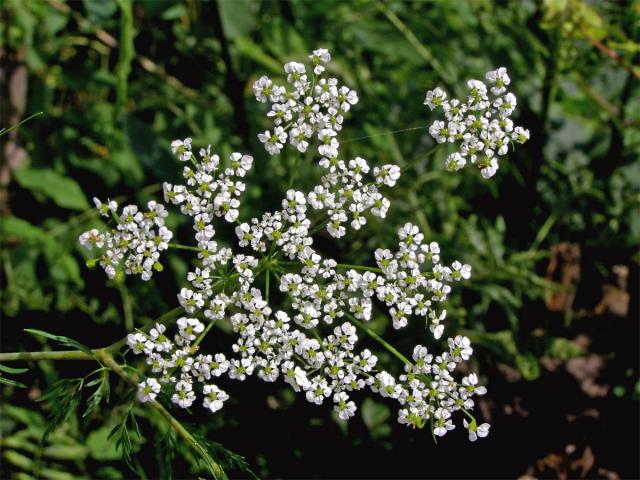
[[309, 336], [298, 315]]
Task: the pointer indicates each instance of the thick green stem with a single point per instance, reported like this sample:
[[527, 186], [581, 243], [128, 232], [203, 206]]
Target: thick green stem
[[63, 355], [106, 358], [126, 307], [77, 354]]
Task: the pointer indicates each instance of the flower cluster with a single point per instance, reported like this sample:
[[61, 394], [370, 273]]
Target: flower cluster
[[312, 108], [480, 127], [345, 196], [211, 190], [136, 242], [305, 329]]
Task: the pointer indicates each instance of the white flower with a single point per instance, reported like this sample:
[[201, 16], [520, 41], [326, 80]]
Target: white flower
[[183, 396], [460, 271], [443, 422], [490, 169], [455, 161], [239, 164], [520, 135], [344, 407], [435, 98], [501, 80], [470, 385], [387, 174], [317, 391], [182, 148], [148, 390], [262, 89], [137, 342], [284, 333], [273, 142], [460, 347], [481, 126], [476, 432], [296, 73], [105, 208], [319, 59], [214, 397], [189, 328]]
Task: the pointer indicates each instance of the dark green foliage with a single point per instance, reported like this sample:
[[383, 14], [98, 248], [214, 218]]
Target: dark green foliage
[[62, 398], [13, 371], [116, 81], [123, 433], [66, 341]]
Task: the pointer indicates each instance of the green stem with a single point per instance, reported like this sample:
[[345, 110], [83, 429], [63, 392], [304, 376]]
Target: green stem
[[378, 339], [61, 355], [294, 170], [107, 359], [320, 224], [381, 134], [126, 54], [359, 267], [126, 307], [184, 247], [203, 334], [6, 130], [79, 355], [266, 287]]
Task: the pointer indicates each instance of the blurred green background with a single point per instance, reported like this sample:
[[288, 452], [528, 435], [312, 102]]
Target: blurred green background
[[553, 239]]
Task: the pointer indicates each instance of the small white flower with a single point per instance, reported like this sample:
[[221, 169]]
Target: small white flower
[[182, 148], [189, 328], [214, 397], [319, 59], [435, 98], [183, 396], [475, 432], [148, 390], [344, 407]]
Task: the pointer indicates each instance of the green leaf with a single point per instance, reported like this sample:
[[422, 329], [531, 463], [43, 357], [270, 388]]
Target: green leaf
[[69, 342], [14, 229], [99, 11], [528, 366], [66, 452], [101, 392], [101, 448], [174, 12], [64, 191], [4, 368], [563, 349], [252, 50], [13, 383], [123, 438], [237, 17], [375, 416], [63, 398], [33, 420]]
